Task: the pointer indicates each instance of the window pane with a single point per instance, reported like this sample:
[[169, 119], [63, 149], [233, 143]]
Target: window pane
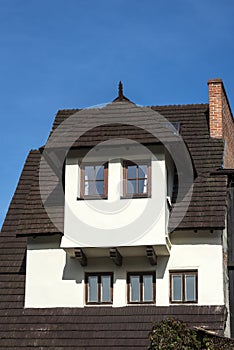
[[142, 186], [134, 288], [86, 188], [147, 288], [99, 187], [142, 171], [190, 294], [89, 172], [90, 188], [177, 288], [106, 288], [132, 171], [131, 186], [100, 172], [93, 289]]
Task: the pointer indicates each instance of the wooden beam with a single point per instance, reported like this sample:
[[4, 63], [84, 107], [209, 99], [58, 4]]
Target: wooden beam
[[80, 255], [116, 256], [150, 253]]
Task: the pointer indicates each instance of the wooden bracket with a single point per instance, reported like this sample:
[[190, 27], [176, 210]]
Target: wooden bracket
[[116, 256], [80, 255], [150, 253]]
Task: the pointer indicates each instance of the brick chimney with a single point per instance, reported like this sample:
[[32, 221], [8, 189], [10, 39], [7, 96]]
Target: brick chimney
[[221, 119]]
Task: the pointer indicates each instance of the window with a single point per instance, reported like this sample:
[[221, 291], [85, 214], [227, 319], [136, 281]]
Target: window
[[99, 288], [136, 178], [183, 287], [94, 181], [141, 287]]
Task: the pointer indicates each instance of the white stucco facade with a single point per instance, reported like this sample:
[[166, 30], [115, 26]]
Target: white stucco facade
[[54, 279], [117, 221]]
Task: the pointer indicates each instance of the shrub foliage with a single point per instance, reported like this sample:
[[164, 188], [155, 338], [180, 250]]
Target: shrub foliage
[[174, 334]]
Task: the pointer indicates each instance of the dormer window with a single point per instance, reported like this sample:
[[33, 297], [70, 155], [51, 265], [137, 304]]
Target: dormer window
[[137, 179], [94, 181]]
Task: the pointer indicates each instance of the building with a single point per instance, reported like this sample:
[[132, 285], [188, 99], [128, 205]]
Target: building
[[123, 218]]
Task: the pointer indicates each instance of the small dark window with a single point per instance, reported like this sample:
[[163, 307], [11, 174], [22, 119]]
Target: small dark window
[[99, 288], [183, 287], [94, 181], [137, 179], [141, 287]]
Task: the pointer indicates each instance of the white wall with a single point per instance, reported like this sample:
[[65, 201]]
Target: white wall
[[116, 221], [54, 279], [201, 251]]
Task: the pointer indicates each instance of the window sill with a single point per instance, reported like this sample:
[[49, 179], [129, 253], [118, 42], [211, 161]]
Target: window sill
[[141, 303], [134, 196], [91, 198], [183, 302], [99, 304]]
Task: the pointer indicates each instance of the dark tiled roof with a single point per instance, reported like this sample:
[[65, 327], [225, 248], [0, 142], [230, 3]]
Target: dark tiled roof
[[34, 218], [12, 250], [92, 327], [208, 204]]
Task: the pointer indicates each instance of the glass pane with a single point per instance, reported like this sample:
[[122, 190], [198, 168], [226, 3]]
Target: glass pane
[[142, 171], [90, 188], [131, 188], [89, 172], [93, 289], [106, 288], [100, 187], [190, 288], [147, 288], [100, 172], [134, 288], [177, 288], [86, 188], [132, 171], [142, 186]]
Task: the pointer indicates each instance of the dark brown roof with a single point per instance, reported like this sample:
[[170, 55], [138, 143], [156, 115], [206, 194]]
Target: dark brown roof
[[95, 328]]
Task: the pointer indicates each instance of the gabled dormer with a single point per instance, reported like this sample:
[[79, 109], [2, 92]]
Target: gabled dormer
[[119, 180]]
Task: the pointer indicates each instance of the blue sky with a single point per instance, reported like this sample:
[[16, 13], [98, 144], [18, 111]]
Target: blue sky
[[58, 54]]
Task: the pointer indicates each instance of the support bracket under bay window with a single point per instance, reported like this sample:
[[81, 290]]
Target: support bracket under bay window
[[116, 256], [80, 255], [152, 257]]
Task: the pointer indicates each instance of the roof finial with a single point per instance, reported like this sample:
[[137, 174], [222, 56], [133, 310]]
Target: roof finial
[[121, 96], [120, 90]]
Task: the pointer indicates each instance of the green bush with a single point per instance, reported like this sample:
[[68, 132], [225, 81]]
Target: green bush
[[174, 334]]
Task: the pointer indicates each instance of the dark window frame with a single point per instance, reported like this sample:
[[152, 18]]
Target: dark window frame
[[82, 181], [141, 274], [183, 273], [99, 276], [125, 165]]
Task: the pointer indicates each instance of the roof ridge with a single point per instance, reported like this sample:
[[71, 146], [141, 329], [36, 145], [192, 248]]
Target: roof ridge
[[149, 106], [181, 105]]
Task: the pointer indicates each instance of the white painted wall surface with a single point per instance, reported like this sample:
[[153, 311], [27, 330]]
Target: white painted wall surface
[[116, 221], [201, 251], [53, 279]]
